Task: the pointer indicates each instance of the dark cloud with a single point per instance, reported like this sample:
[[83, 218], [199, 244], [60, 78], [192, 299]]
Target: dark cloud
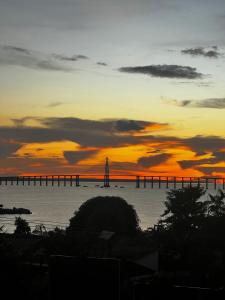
[[93, 133], [200, 51], [218, 103], [217, 157], [15, 56], [70, 58], [130, 125], [8, 149], [164, 71], [205, 144], [211, 170], [108, 126], [16, 49], [102, 64], [74, 157], [151, 161]]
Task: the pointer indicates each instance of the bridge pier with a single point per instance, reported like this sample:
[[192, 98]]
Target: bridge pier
[[144, 182], [167, 182], [152, 182], [137, 182], [77, 180], [175, 182]]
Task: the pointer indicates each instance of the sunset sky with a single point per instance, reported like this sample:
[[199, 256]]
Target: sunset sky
[[141, 82]]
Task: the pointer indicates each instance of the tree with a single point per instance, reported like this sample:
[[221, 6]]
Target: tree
[[184, 210], [22, 226], [105, 213], [40, 230], [216, 205]]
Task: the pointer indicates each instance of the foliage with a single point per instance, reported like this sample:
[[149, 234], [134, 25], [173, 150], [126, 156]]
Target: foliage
[[184, 210], [22, 226], [216, 205], [105, 213], [40, 230]]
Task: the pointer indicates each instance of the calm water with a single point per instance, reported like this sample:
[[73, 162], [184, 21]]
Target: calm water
[[54, 206]]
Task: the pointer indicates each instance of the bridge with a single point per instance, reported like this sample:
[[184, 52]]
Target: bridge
[[107, 181]]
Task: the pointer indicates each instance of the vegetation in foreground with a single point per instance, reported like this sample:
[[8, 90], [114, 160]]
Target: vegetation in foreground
[[189, 236]]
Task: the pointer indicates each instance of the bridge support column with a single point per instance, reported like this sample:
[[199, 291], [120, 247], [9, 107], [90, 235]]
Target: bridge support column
[[145, 182], [137, 182], [77, 180], [215, 183], [175, 182]]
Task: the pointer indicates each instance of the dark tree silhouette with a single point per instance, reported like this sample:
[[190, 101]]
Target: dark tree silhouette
[[216, 205], [105, 213], [184, 210], [22, 226]]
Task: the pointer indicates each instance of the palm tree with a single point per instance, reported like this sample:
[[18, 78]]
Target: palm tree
[[184, 211], [216, 205], [22, 226]]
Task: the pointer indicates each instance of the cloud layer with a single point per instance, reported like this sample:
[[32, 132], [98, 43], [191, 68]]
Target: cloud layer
[[90, 137]]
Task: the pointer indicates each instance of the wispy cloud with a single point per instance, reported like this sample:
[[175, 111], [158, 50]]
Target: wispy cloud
[[15, 56], [70, 58], [218, 103], [200, 51], [101, 63], [54, 104], [164, 71]]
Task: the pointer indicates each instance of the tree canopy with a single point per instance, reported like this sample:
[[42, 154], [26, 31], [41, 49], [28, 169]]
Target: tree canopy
[[184, 209], [105, 213], [22, 226]]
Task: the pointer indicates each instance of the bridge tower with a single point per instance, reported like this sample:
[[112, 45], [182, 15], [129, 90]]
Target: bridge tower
[[106, 174]]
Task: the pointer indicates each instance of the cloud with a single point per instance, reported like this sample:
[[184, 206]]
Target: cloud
[[218, 103], [7, 149], [211, 170], [205, 144], [100, 134], [217, 157], [108, 126], [74, 157], [200, 51], [70, 58], [54, 104], [130, 125], [164, 71], [102, 64], [151, 161], [15, 56], [93, 133]]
